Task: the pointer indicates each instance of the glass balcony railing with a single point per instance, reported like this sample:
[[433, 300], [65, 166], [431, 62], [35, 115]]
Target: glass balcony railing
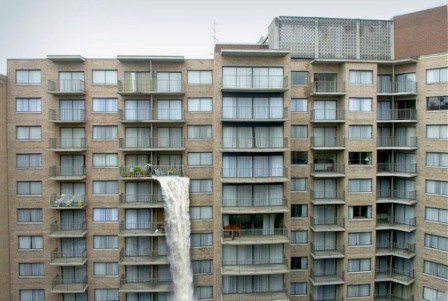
[[328, 87], [408, 87], [67, 144], [66, 201], [397, 115], [330, 142], [397, 141], [327, 115], [67, 171], [409, 195], [327, 168], [409, 168], [66, 86], [67, 116], [391, 221]]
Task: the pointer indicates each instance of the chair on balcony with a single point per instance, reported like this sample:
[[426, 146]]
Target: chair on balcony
[[69, 201], [59, 201], [232, 231]]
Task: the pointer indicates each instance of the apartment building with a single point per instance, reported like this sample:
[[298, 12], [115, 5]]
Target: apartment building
[[317, 164]]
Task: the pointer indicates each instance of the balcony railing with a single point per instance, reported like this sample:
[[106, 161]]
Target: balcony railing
[[327, 250], [151, 114], [397, 141], [254, 142], [232, 233], [408, 87], [146, 281], [409, 195], [255, 172], [391, 297], [135, 86], [397, 115], [136, 171], [140, 199], [142, 228], [69, 285], [66, 201], [136, 256], [327, 223], [397, 168], [327, 168], [255, 112], [66, 86], [68, 258], [318, 141], [400, 275], [328, 87], [67, 115], [255, 292], [327, 195], [254, 266], [67, 171], [158, 142], [327, 115], [317, 298], [408, 223], [68, 229], [67, 143], [255, 82], [327, 276], [254, 202], [399, 249]]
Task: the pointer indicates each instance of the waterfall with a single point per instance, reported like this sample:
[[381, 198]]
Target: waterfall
[[177, 228]]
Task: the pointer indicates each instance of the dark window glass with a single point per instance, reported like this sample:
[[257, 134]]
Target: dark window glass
[[360, 158], [299, 158], [299, 211], [299, 78], [437, 103]]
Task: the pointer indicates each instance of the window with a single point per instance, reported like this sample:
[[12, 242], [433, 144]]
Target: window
[[439, 131], [437, 159], [360, 132], [359, 212], [298, 288], [31, 243], [247, 77], [199, 77], [299, 237], [28, 161], [437, 187], [199, 132], [28, 105], [359, 265], [105, 187], [360, 185], [104, 132], [299, 210], [299, 263], [436, 242], [436, 215], [201, 266], [203, 292], [435, 269], [28, 77], [29, 215], [299, 158], [104, 77], [299, 131], [201, 186], [106, 294], [27, 133], [105, 160], [299, 78], [105, 242], [29, 188], [437, 103], [360, 77], [200, 213], [32, 295], [199, 105], [357, 291], [199, 159], [105, 105], [299, 105], [437, 76], [430, 294], [169, 81], [360, 158], [360, 239], [360, 105], [201, 240], [105, 268], [31, 269], [299, 184], [105, 214]]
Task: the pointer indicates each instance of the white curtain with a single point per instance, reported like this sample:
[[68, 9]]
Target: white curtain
[[244, 78], [261, 107], [276, 107], [261, 78], [229, 107], [244, 108], [71, 110], [138, 246]]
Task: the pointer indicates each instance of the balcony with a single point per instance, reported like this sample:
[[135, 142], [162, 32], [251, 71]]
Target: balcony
[[140, 201], [151, 144], [69, 285], [67, 87], [255, 294], [397, 89], [397, 142], [254, 175], [67, 173], [394, 275], [328, 88], [327, 170], [146, 172], [315, 298], [233, 235], [69, 145], [254, 113], [254, 83], [395, 223], [405, 197], [326, 277], [151, 115], [144, 284], [66, 230], [327, 224], [329, 250], [397, 169], [254, 144], [327, 197], [149, 87], [142, 229], [67, 116], [393, 249], [66, 259], [140, 258], [66, 201], [391, 297], [327, 116], [255, 267], [327, 143], [397, 115], [254, 205]]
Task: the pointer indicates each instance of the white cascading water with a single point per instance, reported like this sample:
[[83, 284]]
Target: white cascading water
[[175, 192]]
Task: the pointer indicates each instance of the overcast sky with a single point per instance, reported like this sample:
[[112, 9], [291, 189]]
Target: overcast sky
[[106, 28]]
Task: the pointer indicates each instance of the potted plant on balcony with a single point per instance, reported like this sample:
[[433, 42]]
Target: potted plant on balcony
[[137, 171]]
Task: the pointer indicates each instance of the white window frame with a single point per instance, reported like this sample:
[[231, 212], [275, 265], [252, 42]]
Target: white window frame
[[200, 159], [107, 105], [27, 101], [98, 137], [203, 104], [201, 73], [28, 73], [29, 130], [110, 212], [359, 181], [439, 128], [438, 71], [356, 77], [105, 158], [106, 72], [436, 242], [358, 130], [356, 104]]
